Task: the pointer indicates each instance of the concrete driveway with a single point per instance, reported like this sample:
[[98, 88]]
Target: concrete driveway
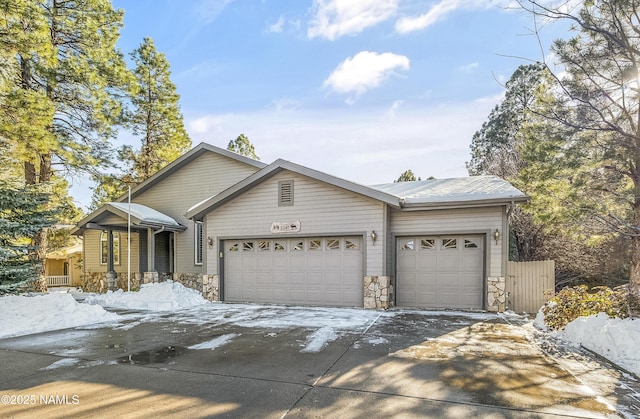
[[396, 364]]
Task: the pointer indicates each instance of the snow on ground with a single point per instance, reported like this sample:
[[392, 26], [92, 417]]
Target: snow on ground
[[163, 296], [216, 342], [24, 315], [615, 339]]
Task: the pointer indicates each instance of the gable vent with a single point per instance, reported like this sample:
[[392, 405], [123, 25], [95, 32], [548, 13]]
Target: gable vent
[[285, 193]]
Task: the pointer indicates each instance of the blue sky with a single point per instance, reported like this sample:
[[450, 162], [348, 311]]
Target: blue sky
[[360, 89]]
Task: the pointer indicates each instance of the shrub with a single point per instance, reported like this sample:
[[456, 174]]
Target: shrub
[[572, 302]]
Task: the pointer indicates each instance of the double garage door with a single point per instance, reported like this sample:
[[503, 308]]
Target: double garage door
[[305, 271], [440, 272]]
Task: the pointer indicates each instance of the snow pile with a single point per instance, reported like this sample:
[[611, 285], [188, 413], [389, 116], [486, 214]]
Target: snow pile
[[615, 339], [160, 296], [24, 315], [319, 339]]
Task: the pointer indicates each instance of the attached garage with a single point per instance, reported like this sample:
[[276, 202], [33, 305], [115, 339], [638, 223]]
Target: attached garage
[[292, 235], [440, 271], [306, 271]]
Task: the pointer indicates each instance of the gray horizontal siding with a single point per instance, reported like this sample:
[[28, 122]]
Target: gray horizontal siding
[[454, 221], [321, 209], [207, 175]]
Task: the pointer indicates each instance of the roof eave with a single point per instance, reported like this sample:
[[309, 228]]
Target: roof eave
[[464, 204]]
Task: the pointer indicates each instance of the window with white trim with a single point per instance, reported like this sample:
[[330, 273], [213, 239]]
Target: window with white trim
[[197, 243], [104, 243]]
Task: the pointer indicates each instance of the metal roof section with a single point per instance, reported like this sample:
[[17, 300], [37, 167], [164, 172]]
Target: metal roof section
[[185, 159], [141, 217], [199, 210], [467, 191]]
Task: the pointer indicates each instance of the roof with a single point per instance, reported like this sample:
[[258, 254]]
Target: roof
[[141, 217], [185, 159], [454, 191], [202, 208]]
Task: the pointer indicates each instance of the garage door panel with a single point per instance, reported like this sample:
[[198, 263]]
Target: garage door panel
[[326, 271], [440, 271]]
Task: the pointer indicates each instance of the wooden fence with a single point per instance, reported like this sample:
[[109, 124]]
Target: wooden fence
[[526, 283]]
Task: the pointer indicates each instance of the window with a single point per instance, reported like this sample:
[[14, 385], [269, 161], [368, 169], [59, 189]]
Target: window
[[197, 245], [426, 244], [278, 246], [408, 245], [247, 247], [233, 247], [315, 244], [104, 242], [351, 245], [449, 243], [264, 246], [298, 246], [285, 193], [333, 244], [468, 244]]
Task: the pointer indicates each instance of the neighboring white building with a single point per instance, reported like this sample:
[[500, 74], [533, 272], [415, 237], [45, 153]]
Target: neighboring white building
[[243, 231]]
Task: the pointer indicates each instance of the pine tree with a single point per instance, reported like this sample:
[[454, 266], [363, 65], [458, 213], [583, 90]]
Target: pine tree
[[407, 176], [241, 145], [24, 211], [155, 116]]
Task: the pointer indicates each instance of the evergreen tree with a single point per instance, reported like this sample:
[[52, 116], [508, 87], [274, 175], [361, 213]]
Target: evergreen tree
[[241, 145], [599, 106], [407, 176], [24, 211], [155, 116], [62, 97]]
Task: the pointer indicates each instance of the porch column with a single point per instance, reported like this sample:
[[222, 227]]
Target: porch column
[[112, 277], [151, 250]]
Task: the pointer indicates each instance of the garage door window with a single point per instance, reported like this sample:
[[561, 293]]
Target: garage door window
[[315, 244], [297, 246], [408, 245], [351, 245], [449, 243], [279, 247], [468, 244], [333, 244], [264, 246], [427, 244], [247, 247], [233, 247]]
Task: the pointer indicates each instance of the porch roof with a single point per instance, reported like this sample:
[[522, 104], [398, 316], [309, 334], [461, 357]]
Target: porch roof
[[141, 217]]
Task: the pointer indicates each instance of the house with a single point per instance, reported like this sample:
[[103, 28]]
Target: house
[[62, 267], [242, 231]]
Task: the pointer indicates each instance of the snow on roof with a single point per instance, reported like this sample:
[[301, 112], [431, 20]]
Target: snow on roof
[[468, 189], [145, 214]]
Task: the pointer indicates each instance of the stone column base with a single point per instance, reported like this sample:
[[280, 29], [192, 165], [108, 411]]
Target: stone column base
[[378, 292], [496, 295], [112, 281]]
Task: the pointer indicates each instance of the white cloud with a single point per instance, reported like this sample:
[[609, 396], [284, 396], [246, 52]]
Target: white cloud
[[443, 8], [364, 71], [468, 68], [277, 27], [209, 10], [335, 18]]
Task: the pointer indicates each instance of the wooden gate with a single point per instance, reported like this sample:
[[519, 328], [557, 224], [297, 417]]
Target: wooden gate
[[526, 283]]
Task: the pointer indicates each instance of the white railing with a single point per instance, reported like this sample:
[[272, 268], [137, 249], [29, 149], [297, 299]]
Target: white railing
[[58, 281]]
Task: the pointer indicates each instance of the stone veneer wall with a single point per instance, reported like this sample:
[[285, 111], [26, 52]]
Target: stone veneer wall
[[208, 285], [378, 292], [496, 295]]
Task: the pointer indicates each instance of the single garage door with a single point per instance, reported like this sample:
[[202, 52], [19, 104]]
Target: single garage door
[[440, 272], [305, 271]]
